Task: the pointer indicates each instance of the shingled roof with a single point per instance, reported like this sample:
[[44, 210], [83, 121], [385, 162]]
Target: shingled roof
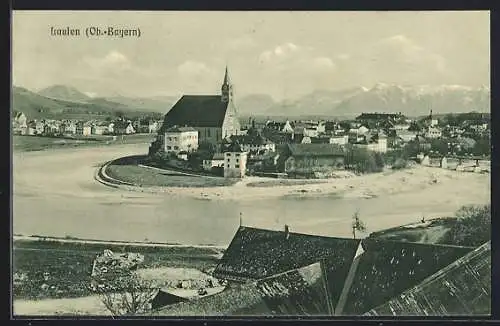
[[196, 111], [387, 268], [300, 291], [256, 253], [461, 288]]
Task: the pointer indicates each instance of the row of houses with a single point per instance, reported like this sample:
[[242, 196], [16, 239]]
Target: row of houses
[[287, 146], [52, 127]]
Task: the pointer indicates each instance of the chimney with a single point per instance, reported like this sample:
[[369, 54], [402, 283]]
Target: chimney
[[287, 232]]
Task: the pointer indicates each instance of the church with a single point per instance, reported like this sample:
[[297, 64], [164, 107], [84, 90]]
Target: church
[[213, 116]]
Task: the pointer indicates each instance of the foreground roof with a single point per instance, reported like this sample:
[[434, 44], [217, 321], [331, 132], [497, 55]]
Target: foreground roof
[[196, 111], [301, 291], [387, 268], [461, 288], [256, 253]]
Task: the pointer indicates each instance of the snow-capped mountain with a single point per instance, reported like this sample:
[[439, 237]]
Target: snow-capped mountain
[[409, 100]]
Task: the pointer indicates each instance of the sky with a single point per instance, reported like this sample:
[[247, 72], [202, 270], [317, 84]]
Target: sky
[[284, 54]]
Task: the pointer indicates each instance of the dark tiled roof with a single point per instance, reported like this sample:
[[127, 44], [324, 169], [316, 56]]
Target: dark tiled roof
[[297, 292], [255, 253], [315, 150], [461, 288], [250, 139], [387, 268], [196, 111]]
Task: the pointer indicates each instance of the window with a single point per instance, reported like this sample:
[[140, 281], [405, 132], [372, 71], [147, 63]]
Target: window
[[176, 147], [237, 166], [228, 160], [237, 160], [237, 155], [169, 138], [208, 132], [228, 154], [169, 147]]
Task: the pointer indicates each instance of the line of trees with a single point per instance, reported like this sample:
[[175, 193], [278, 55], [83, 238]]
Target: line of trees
[[361, 160]]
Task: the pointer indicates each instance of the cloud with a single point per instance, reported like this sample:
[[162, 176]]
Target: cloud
[[279, 52], [114, 60], [323, 62], [192, 69], [394, 59], [401, 49]]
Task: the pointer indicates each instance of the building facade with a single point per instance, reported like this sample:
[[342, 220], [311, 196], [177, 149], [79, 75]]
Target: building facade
[[235, 161], [213, 116], [180, 139]]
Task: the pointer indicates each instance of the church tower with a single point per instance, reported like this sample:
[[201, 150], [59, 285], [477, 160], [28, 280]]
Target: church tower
[[226, 89]]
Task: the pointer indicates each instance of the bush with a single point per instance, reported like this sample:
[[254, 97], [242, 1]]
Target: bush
[[400, 163], [363, 161], [473, 226]]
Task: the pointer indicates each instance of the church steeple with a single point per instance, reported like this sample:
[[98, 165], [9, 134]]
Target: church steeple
[[227, 88]]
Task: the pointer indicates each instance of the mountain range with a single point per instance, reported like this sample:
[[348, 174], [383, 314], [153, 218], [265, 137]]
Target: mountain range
[[349, 102]]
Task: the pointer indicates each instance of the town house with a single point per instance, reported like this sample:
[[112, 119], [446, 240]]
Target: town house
[[235, 160], [309, 158], [180, 139]]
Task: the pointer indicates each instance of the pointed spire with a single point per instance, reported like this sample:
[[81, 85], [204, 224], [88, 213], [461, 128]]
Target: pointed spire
[[226, 77]]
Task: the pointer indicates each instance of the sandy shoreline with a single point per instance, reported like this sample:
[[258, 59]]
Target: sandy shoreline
[[346, 185]]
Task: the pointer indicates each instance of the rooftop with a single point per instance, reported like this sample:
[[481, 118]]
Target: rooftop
[[180, 129], [300, 291], [196, 111], [387, 268], [256, 253], [461, 288]]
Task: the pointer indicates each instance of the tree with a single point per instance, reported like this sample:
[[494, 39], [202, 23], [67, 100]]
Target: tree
[[482, 146], [126, 294], [361, 160], [206, 146], [472, 228], [415, 126], [440, 146], [357, 224]]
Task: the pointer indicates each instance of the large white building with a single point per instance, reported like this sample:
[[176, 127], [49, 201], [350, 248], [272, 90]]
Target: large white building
[[180, 139], [433, 132]]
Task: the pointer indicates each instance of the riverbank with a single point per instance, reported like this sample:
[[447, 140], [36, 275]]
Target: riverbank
[[344, 185], [22, 143]]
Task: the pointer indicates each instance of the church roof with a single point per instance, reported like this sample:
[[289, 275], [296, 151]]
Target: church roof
[[196, 111]]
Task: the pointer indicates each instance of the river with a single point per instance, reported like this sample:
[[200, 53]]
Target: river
[[55, 194]]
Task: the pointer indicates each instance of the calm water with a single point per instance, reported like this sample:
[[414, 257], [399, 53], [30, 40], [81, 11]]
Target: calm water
[[55, 195]]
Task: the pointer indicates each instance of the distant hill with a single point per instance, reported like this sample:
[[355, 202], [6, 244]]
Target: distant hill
[[350, 102], [63, 92], [37, 106], [157, 104]]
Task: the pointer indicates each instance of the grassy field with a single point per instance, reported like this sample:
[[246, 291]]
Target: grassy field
[[39, 143], [129, 171], [69, 265]]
